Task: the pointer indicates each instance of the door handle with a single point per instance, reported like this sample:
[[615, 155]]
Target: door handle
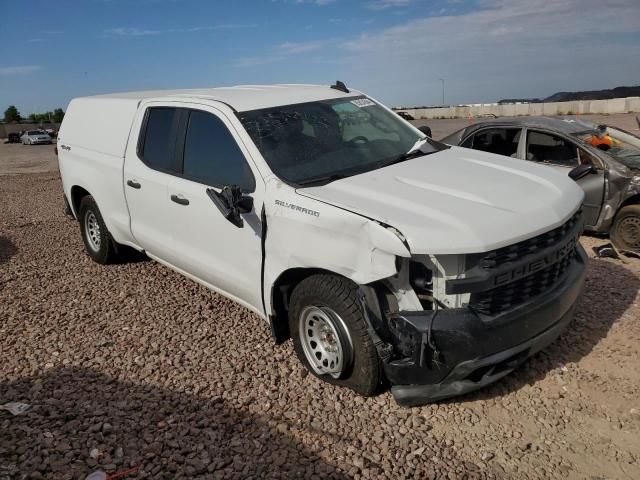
[[179, 199], [133, 184]]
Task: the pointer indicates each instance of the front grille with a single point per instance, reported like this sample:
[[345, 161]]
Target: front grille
[[519, 291], [518, 250], [500, 299]]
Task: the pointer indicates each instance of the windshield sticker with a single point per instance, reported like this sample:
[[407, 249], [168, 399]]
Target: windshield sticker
[[362, 102]]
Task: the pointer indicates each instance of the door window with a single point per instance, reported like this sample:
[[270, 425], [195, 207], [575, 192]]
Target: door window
[[156, 146], [549, 148], [501, 141], [585, 158], [212, 156]]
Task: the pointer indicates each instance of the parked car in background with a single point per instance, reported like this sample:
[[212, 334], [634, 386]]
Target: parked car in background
[[34, 137], [424, 128], [386, 256], [604, 160], [13, 138]]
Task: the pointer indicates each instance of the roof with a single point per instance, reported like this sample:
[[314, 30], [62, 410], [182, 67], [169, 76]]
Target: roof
[[242, 97], [565, 125]]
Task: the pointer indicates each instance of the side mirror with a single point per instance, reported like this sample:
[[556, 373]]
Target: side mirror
[[426, 130], [581, 171], [231, 203]]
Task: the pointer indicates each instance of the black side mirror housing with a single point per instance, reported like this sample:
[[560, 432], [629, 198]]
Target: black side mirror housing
[[581, 171], [426, 130], [231, 203]]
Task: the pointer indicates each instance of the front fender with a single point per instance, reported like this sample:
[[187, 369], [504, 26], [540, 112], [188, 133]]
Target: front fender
[[306, 233]]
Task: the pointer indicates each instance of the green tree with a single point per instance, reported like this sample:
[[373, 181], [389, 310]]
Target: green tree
[[58, 115], [33, 118], [12, 114]]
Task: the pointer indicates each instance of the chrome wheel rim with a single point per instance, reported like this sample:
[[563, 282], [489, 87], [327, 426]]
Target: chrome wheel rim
[[630, 231], [325, 340], [92, 231]]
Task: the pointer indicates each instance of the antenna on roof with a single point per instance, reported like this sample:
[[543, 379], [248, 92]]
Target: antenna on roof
[[340, 86]]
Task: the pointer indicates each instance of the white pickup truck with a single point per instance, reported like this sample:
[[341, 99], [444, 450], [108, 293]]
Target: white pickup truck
[[387, 257]]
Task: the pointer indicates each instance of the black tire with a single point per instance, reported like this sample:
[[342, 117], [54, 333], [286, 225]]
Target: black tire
[[625, 232], [363, 372], [105, 252]]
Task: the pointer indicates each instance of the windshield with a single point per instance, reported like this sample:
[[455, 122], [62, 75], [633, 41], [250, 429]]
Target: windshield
[[318, 142], [35, 132], [621, 145]]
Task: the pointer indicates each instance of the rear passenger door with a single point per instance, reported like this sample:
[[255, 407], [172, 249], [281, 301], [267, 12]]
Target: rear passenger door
[[207, 246], [563, 156], [149, 161]]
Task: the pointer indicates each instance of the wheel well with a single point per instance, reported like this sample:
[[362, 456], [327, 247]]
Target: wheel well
[[634, 200], [77, 194], [281, 294]]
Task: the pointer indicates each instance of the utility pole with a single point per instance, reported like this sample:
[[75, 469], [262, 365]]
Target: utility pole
[[442, 80]]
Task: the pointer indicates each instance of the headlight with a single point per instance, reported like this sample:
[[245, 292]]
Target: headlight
[[635, 181]]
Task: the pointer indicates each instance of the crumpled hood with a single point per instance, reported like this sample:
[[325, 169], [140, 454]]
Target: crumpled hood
[[458, 200]]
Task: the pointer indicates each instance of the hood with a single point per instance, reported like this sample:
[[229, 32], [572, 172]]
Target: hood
[[458, 200]]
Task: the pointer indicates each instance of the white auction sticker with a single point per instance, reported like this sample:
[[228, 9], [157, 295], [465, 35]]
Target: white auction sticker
[[362, 102]]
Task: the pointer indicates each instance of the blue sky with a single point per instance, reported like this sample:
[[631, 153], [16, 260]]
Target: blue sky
[[395, 50]]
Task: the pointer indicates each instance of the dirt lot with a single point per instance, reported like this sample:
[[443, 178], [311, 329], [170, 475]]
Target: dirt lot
[[16, 158], [132, 365]]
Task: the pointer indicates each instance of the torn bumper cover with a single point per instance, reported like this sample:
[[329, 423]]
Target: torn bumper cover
[[459, 350]]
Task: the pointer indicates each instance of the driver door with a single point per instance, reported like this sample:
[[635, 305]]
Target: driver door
[[208, 247], [563, 156]]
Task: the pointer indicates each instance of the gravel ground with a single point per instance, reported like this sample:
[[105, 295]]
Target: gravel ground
[[132, 365]]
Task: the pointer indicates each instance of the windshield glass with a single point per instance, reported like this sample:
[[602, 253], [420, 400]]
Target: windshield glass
[[35, 132], [318, 142], [621, 145]]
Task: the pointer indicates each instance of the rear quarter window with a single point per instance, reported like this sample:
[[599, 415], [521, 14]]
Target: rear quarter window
[[156, 147]]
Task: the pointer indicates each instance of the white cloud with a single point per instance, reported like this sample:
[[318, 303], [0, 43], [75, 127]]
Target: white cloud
[[19, 70], [142, 32], [385, 4], [292, 48], [315, 2], [131, 32], [280, 53], [507, 47]]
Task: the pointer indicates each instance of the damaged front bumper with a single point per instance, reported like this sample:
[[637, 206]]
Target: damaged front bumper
[[456, 351]]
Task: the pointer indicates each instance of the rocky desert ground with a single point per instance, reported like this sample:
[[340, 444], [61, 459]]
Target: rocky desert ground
[[133, 366]]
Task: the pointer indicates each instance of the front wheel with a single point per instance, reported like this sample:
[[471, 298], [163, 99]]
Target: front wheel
[[330, 334], [625, 232]]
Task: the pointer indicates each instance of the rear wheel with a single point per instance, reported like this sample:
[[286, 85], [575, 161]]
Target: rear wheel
[[625, 232], [330, 334], [97, 239]]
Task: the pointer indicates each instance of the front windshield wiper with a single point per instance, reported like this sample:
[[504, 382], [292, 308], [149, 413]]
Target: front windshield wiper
[[418, 150], [322, 179], [424, 146]]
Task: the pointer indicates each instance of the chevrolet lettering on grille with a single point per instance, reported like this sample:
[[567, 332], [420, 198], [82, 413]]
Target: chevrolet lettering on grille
[[537, 264]]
